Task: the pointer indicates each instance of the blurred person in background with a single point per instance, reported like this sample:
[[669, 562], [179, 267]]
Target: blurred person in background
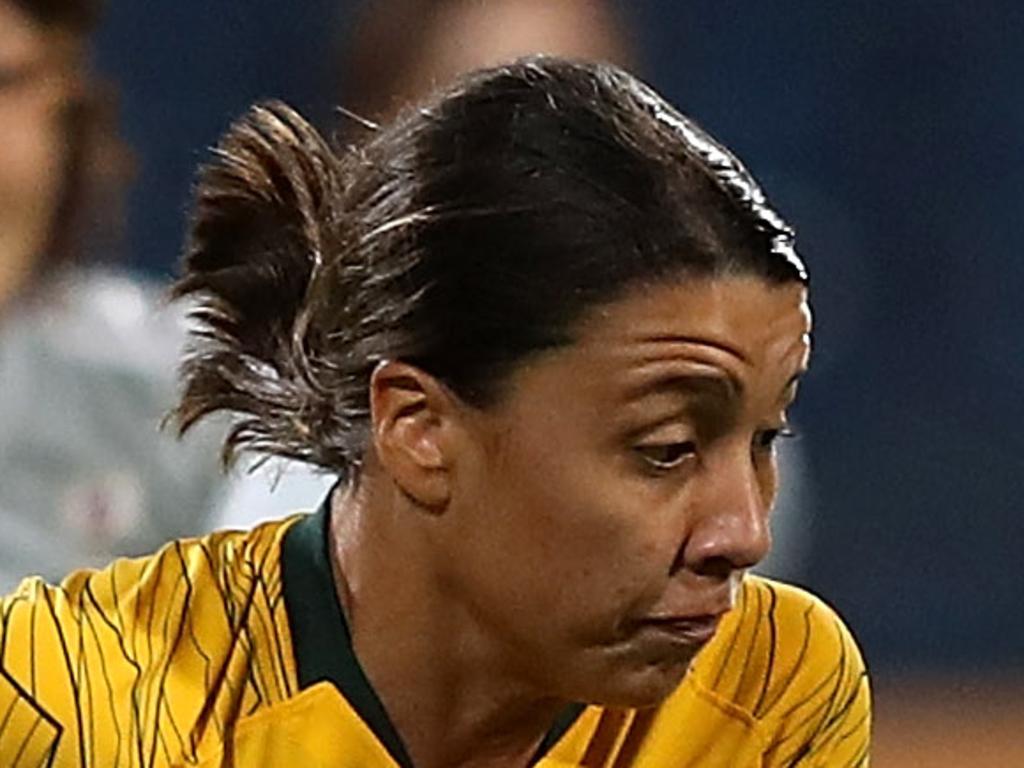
[[400, 50], [87, 353]]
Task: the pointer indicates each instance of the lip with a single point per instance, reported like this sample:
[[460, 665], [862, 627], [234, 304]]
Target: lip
[[691, 630]]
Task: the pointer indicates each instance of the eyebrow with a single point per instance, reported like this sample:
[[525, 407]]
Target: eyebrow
[[723, 386]]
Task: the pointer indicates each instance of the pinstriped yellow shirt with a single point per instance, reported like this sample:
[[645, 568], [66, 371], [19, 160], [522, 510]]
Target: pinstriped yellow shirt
[[232, 650]]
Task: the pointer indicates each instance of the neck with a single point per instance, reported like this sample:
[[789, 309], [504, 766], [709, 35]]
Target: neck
[[446, 683]]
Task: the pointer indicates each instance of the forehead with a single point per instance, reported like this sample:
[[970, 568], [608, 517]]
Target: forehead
[[742, 324]]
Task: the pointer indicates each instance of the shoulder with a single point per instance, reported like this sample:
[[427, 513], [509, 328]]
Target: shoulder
[[781, 684], [777, 636], [179, 574], [786, 659], [205, 604]]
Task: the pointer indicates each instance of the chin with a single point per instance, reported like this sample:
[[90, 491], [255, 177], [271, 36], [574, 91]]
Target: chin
[[639, 686]]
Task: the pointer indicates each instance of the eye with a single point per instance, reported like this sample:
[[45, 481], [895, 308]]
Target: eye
[[766, 439], [666, 456]]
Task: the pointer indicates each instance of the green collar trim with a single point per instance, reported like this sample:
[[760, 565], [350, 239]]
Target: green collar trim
[[320, 636], [323, 643], [558, 729]]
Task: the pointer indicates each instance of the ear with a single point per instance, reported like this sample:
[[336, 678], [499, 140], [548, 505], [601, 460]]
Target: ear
[[413, 421]]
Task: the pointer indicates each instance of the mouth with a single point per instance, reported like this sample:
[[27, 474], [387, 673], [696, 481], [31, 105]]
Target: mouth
[[688, 630]]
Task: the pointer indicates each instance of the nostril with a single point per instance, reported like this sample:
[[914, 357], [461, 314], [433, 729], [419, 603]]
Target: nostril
[[716, 567]]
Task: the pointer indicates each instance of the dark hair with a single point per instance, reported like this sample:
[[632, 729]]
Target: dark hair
[[468, 234]]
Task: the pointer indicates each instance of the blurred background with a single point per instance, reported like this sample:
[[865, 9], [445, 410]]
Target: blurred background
[[890, 133]]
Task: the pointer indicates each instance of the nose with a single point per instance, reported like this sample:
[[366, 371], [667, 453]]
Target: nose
[[729, 529]]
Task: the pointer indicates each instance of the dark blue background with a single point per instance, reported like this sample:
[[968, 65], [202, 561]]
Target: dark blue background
[[892, 135]]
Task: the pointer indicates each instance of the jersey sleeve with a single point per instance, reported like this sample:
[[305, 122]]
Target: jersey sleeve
[[36, 687], [818, 710], [785, 662], [145, 662], [84, 666], [28, 734], [66, 671]]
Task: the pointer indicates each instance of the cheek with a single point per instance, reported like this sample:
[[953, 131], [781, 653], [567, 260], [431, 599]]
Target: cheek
[[584, 545]]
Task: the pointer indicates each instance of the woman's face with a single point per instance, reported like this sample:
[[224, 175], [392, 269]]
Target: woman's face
[[616, 496], [33, 87]]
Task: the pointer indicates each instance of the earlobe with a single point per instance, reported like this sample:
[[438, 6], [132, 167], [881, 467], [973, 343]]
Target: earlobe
[[411, 412]]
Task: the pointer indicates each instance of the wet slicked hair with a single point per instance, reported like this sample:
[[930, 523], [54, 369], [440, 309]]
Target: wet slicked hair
[[469, 234]]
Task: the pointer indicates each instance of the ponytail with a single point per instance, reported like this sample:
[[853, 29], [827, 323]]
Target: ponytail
[[264, 219]]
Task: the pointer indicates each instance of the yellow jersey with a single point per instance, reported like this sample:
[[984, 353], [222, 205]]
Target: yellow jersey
[[232, 650]]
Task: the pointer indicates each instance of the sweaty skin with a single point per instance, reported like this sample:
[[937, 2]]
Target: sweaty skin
[[578, 540]]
